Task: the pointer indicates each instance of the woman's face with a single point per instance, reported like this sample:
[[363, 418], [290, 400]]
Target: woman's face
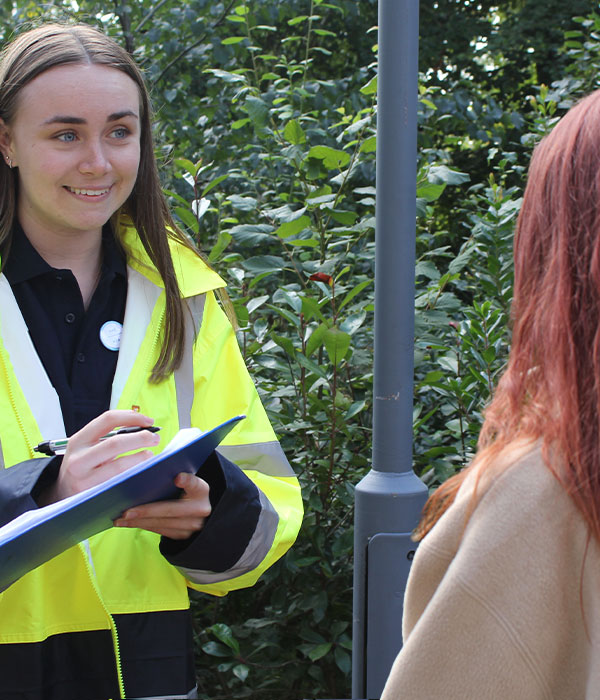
[[75, 140]]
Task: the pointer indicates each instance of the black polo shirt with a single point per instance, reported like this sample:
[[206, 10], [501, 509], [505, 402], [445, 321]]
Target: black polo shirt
[[65, 335]]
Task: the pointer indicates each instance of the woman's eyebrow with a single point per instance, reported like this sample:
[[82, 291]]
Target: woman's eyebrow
[[66, 119]]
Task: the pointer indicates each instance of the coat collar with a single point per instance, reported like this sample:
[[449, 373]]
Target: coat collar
[[194, 276]]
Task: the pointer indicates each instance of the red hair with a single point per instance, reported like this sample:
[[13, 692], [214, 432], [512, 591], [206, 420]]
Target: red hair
[[550, 390]]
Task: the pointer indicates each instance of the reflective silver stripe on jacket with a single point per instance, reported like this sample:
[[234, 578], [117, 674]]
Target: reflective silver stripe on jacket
[[39, 394], [192, 695], [254, 554], [184, 374], [142, 296], [265, 457]]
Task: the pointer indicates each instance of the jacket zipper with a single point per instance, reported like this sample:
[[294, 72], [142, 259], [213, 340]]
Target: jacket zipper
[[157, 334], [113, 627]]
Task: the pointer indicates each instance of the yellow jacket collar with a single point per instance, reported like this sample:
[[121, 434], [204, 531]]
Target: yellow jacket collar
[[193, 274]]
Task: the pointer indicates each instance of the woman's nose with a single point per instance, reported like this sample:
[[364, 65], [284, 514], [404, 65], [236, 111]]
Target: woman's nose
[[94, 159]]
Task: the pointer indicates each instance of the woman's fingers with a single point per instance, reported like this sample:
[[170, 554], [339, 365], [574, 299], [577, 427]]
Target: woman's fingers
[[97, 455], [105, 422], [111, 468], [89, 460], [177, 519]]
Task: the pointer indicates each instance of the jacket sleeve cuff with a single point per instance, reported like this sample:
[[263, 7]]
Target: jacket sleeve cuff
[[22, 483], [227, 532]]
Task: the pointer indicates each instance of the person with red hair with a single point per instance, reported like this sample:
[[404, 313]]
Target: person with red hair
[[503, 599]]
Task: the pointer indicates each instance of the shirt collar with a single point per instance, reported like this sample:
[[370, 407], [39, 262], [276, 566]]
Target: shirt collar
[[23, 262]]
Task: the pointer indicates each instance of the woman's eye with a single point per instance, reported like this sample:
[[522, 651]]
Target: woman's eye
[[67, 137], [120, 133]]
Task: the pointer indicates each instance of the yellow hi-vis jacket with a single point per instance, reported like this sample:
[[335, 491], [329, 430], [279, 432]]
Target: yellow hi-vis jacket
[[122, 570]]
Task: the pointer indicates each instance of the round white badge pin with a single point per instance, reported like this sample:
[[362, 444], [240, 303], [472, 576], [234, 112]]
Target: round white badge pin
[[110, 335]]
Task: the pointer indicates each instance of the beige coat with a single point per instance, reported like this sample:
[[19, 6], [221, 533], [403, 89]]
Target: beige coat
[[504, 609]]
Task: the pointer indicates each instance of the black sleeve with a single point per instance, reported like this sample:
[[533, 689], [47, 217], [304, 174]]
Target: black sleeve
[[22, 483], [236, 507]]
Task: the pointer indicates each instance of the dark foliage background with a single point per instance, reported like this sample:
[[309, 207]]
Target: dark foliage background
[[265, 124]]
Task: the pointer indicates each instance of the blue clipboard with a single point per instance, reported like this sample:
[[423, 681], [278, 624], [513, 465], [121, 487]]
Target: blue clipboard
[[50, 531]]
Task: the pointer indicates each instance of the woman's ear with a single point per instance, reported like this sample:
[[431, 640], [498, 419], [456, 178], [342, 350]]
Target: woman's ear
[[6, 144]]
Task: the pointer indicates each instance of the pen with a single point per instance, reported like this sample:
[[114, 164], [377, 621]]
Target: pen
[[58, 447]]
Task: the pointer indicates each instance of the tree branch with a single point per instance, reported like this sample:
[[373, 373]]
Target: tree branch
[[185, 51], [125, 21], [149, 15]]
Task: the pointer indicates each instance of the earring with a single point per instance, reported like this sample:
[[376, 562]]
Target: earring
[[9, 162]]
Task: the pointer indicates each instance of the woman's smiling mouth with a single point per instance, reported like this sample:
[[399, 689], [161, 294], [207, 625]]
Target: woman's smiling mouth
[[87, 192]]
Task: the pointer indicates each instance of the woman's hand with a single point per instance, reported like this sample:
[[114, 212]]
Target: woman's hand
[[177, 519], [89, 461]]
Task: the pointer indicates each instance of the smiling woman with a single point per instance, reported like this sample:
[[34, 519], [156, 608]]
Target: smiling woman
[[109, 317], [75, 139]]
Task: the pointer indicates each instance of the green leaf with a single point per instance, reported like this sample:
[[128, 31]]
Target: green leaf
[[351, 324], [186, 165], [443, 174], [369, 145], [354, 409], [233, 40], [289, 297], [371, 87], [332, 158], [242, 203], [263, 263], [224, 634], [258, 279], [347, 218], [226, 75], [303, 242], [239, 123], [254, 234], [294, 133], [257, 110], [427, 269], [311, 366], [430, 192], [288, 315], [213, 183], [321, 199], [311, 308], [342, 660], [319, 651], [316, 339], [223, 241], [292, 228], [365, 190], [241, 671], [285, 213], [353, 292], [253, 304], [297, 20], [188, 218], [336, 343], [216, 649], [284, 343]]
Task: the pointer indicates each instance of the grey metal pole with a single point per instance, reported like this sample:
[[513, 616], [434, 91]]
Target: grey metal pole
[[390, 497]]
